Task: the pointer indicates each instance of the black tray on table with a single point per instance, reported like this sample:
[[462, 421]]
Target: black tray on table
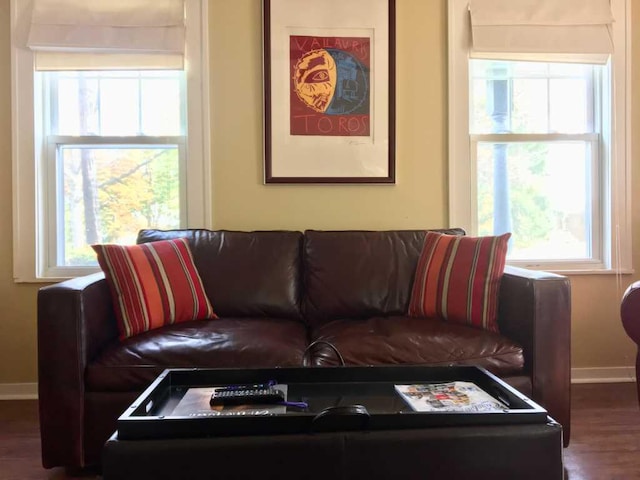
[[339, 398]]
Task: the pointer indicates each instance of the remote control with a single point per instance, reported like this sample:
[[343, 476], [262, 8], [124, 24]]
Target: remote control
[[251, 396]]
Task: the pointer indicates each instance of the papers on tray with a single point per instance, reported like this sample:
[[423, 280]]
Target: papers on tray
[[449, 397]]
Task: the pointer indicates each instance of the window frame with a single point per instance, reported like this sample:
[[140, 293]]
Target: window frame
[[615, 185], [29, 145]]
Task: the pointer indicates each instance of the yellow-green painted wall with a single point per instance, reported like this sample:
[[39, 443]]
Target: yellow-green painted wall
[[241, 201]]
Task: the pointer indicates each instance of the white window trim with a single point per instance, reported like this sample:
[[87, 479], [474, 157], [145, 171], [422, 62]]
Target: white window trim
[[29, 232], [461, 177]]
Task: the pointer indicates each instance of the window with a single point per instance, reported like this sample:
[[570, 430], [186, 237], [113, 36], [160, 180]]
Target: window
[[535, 146], [539, 148], [104, 153], [115, 146]]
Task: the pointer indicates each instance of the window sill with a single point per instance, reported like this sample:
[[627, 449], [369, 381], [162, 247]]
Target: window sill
[[576, 271], [608, 271]]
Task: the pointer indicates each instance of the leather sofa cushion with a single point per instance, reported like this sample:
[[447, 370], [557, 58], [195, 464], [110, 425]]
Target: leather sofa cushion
[[360, 274], [406, 340], [245, 274], [134, 363]]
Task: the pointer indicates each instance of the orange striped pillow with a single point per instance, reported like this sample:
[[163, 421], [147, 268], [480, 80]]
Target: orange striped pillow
[[458, 279], [153, 284]]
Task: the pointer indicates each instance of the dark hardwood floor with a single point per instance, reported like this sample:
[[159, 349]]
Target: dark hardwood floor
[[605, 441], [605, 437]]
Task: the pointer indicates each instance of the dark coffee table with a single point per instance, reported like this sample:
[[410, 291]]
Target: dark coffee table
[[331, 439]]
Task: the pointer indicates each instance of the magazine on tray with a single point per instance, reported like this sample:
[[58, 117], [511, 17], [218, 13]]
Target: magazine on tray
[[195, 403], [449, 397]]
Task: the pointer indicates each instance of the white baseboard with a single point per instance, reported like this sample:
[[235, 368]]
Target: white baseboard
[[18, 391], [603, 375]]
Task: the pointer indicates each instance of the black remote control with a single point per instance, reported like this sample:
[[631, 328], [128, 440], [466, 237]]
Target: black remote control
[[251, 396]]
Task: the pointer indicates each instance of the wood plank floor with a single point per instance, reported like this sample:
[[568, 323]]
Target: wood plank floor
[[605, 436], [605, 440]]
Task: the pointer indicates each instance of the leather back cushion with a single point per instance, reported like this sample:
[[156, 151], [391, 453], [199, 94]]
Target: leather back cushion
[[245, 273], [360, 274]]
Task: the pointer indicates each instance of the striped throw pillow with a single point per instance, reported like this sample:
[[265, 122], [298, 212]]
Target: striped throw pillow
[[458, 279], [153, 284]]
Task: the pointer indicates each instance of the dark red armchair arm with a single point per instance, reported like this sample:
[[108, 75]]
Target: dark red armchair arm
[[630, 314]]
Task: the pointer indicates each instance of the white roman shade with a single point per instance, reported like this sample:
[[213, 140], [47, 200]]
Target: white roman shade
[[564, 30], [113, 34]]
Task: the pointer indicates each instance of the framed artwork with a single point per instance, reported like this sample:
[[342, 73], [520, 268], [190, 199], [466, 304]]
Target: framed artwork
[[329, 91]]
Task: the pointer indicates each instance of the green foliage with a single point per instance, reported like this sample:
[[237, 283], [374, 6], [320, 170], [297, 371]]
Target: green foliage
[[80, 256], [531, 213], [136, 188]]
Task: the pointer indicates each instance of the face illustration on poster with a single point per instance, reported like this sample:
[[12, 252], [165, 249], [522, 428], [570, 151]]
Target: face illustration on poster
[[331, 86]]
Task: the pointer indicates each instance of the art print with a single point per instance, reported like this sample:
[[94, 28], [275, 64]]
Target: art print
[[329, 91], [330, 85]]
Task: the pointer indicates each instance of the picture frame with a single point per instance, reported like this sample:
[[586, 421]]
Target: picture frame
[[329, 91]]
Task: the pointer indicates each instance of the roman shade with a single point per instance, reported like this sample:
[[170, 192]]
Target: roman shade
[[113, 34], [566, 30]]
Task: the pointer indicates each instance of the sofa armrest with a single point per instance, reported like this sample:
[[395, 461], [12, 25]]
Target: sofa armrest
[[630, 311], [630, 315], [75, 321], [535, 311]]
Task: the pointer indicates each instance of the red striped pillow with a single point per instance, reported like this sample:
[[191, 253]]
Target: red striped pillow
[[458, 279], [153, 284]]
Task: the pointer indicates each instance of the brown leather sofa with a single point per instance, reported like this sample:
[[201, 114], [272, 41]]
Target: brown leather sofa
[[275, 293], [630, 314]]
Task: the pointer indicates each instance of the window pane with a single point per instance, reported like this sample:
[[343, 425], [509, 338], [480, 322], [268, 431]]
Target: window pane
[[569, 105], [160, 118], [76, 106], [529, 109], [105, 195], [119, 107], [479, 116], [114, 103], [540, 191], [68, 117], [531, 97]]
